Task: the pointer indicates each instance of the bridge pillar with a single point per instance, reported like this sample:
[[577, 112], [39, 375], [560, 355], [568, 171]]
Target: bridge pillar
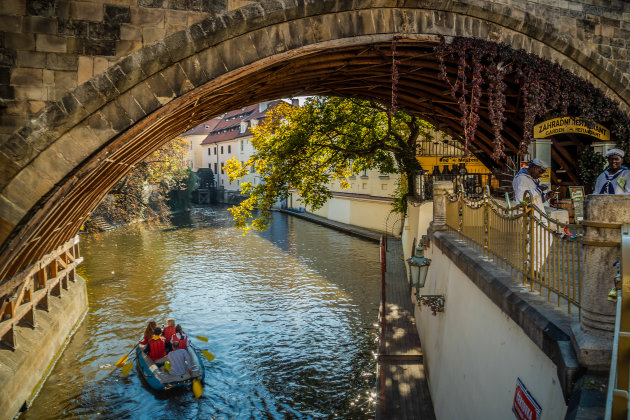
[[593, 337], [440, 190]]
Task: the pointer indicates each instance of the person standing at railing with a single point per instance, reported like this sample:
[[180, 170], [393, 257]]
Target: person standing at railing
[[616, 178], [528, 179]]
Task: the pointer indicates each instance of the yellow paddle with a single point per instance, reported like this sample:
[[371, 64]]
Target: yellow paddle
[[197, 388], [208, 355], [123, 359], [202, 338], [127, 368]]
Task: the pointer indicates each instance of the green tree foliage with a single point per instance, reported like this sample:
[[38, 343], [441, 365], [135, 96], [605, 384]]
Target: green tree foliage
[[324, 141], [143, 192], [590, 165]]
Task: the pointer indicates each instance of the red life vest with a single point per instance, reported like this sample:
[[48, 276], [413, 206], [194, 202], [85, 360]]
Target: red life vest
[[168, 333], [183, 342], [157, 349]]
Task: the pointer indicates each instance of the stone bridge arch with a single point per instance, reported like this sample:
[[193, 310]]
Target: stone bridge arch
[[56, 168]]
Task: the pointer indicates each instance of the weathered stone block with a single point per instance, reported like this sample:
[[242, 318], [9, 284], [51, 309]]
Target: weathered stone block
[[130, 32], [144, 96], [98, 47], [19, 41], [85, 68], [30, 92], [153, 58], [85, 139], [124, 48], [35, 106], [179, 46], [144, 17], [68, 62], [176, 17], [50, 43], [194, 71], [27, 77], [100, 65], [116, 116], [40, 7], [160, 88], [177, 80], [40, 25], [92, 12], [17, 149], [116, 14], [100, 127], [75, 28], [13, 7], [10, 214], [10, 23], [65, 80], [31, 59], [49, 77], [151, 35], [131, 107], [99, 30]]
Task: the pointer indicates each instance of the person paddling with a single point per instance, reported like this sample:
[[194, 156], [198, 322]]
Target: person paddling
[[157, 347], [148, 332]]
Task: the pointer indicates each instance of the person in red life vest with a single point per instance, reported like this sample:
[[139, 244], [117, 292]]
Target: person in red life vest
[[148, 332], [180, 337], [169, 330], [157, 347]]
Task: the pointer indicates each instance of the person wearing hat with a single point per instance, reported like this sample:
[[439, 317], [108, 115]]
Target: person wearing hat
[[528, 179], [616, 178]]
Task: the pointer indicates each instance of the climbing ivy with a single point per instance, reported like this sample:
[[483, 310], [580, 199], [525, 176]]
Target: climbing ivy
[[546, 90]]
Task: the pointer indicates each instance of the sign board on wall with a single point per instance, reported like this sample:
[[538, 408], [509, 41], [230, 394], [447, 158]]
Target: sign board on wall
[[473, 165], [576, 125], [525, 406]]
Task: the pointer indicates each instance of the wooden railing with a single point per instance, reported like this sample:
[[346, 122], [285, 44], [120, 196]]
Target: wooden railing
[[524, 241], [31, 288], [618, 396]]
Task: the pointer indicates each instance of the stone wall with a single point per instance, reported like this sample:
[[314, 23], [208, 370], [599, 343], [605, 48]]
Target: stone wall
[[48, 47]]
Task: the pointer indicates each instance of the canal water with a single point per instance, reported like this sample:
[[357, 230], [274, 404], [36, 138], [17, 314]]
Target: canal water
[[289, 313]]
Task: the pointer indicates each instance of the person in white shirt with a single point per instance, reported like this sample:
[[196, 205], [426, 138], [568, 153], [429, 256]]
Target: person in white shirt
[[616, 178], [180, 360], [528, 179]]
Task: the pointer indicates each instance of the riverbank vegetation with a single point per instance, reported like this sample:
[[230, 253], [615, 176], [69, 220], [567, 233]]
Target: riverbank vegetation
[[326, 140], [150, 190]]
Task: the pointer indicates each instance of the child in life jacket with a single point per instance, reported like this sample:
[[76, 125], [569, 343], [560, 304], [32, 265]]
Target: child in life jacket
[[157, 347], [169, 330], [180, 337], [148, 332]]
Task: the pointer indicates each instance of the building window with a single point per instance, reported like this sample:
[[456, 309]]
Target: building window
[[252, 169], [222, 168], [215, 168], [221, 149], [364, 173], [229, 148], [208, 151], [215, 150], [242, 145]]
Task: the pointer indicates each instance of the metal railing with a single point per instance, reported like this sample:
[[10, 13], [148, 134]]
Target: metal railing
[[535, 249], [618, 395]]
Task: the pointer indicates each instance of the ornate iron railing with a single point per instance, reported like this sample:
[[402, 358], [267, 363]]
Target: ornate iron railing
[[534, 248]]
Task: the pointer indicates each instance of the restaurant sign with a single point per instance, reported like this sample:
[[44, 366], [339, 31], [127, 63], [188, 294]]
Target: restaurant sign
[[473, 165], [565, 125]]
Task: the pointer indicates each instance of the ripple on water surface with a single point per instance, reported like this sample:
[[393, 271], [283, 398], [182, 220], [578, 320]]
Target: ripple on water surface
[[289, 314]]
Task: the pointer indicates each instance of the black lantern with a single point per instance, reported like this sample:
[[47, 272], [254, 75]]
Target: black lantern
[[418, 268]]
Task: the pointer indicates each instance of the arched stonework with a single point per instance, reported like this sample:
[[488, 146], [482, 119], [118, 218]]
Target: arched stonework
[[56, 169]]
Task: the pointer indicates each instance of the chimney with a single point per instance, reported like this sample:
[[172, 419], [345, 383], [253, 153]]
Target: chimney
[[263, 106]]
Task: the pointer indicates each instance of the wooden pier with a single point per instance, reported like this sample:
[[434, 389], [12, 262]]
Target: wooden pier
[[402, 388]]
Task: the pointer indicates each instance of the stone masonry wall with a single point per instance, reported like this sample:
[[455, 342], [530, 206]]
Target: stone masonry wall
[[48, 47]]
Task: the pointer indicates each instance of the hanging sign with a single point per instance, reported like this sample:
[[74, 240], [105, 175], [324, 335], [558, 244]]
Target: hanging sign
[[473, 165], [525, 406], [564, 125], [576, 193]]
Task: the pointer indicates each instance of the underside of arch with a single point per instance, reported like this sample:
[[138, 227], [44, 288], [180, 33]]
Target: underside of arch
[[78, 148]]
